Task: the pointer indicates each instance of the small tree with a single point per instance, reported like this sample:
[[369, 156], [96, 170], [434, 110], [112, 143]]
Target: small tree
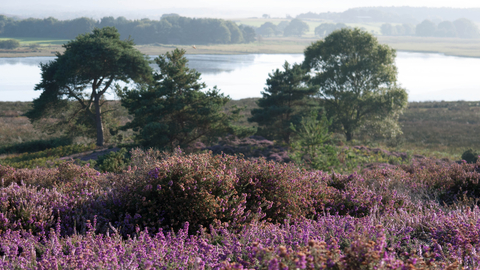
[[175, 111], [90, 65], [311, 143], [356, 78], [284, 101]]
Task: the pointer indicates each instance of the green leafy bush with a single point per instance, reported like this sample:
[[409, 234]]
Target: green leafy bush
[[470, 156], [113, 161], [9, 44]]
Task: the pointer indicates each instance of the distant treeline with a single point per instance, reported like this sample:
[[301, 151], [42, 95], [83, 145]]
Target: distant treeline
[[461, 28], [412, 15], [294, 27], [170, 29]]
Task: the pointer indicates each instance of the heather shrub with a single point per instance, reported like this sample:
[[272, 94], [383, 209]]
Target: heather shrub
[[447, 182], [70, 193], [460, 234], [37, 177], [250, 214], [281, 191], [199, 189], [203, 189], [363, 252], [28, 208]]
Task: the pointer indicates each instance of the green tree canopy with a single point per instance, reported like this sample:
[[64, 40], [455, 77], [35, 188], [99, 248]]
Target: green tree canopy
[[446, 29], [296, 27], [267, 29], [426, 28], [285, 100], [356, 79], [91, 64], [466, 28], [175, 111], [248, 33]]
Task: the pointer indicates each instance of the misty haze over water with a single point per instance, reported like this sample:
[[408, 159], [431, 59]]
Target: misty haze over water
[[426, 76]]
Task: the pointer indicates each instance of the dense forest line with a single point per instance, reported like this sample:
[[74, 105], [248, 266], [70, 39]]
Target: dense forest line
[[170, 29], [413, 15]]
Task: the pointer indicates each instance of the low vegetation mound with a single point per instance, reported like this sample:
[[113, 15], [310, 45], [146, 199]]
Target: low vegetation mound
[[251, 147]]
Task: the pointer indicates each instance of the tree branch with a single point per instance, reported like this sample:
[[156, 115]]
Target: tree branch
[[71, 93]]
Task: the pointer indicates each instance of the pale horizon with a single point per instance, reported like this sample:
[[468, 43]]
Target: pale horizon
[[200, 8]]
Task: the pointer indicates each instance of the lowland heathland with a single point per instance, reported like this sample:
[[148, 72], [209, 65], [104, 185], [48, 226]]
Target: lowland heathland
[[332, 168]]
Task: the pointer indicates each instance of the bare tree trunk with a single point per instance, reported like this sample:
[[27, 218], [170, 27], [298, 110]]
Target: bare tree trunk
[[98, 120], [349, 135]]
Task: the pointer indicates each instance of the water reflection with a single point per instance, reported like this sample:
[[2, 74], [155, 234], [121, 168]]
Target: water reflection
[[426, 76], [26, 61], [215, 64]]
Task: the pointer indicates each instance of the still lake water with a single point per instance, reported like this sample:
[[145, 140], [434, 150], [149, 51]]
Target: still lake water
[[426, 76]]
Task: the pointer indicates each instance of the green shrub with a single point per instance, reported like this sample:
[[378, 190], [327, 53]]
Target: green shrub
[[311, 143], [9, 44], [470, 156], [113, 161]]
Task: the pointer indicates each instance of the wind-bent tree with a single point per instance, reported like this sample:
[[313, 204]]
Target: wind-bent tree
[[91, 64], [356, 79], [285, 100], [175, 111]]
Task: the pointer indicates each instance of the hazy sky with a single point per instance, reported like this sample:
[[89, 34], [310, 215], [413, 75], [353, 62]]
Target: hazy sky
[[204, 8]]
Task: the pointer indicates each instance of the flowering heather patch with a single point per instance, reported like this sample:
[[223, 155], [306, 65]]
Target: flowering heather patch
[[177, 211]]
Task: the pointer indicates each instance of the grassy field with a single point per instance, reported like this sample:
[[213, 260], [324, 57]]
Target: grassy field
[[448, 46], [14, 127], [39, 41], [441, 129], [266, 45]]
